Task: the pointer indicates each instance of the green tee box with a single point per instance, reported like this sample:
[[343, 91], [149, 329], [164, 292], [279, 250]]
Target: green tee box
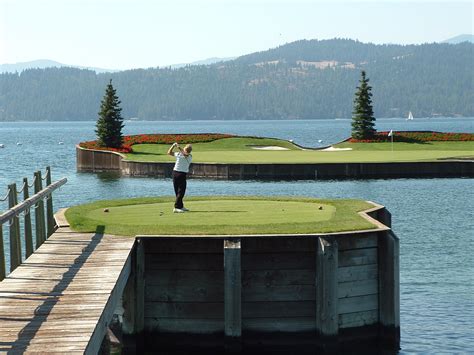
[[226, 215]]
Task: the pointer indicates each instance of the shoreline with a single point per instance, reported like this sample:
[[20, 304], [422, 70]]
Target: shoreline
[[128, 120]]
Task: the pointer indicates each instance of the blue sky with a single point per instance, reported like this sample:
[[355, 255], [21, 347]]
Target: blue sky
[[122, 34]]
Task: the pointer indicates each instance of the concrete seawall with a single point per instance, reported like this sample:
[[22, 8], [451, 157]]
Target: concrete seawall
[[98, 161]]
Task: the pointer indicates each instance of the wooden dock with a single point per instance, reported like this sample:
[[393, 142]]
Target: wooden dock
[[63, 296], [238, 292]]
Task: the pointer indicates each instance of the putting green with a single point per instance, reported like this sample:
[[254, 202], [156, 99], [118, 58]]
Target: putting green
[[241, 150], [223, 215]]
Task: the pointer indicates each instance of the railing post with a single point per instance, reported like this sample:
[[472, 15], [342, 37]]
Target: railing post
[[2, 255], [11, 216], [28, 230], [49, 205], [15, 244], [39, 213]]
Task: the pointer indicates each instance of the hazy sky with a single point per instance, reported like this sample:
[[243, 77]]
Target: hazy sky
[[121, 34]]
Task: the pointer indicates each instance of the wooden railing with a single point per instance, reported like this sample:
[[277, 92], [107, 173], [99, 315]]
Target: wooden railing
[[44, 224]]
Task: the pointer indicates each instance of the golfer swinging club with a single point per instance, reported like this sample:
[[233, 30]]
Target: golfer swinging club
[[180, 170]]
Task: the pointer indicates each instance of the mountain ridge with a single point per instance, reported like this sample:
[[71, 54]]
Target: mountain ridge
[[47, 63], [300, 80], [460, 38]]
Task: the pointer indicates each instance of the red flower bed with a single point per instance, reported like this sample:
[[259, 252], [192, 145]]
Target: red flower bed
[[95, 146], [416, 137], [129, 141]]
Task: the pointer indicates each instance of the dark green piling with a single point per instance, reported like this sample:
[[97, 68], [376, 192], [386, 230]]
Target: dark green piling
[[2, 255], [15, 243], [49, 206], [39, 213], [28, 229]]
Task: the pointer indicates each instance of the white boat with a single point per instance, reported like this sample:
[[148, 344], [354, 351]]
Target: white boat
[[2, 145], [410, 116]]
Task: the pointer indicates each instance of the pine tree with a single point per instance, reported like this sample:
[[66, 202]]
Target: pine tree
[[363, 120], [110, 123]]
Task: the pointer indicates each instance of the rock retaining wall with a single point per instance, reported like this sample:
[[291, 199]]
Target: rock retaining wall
[[98, 161]]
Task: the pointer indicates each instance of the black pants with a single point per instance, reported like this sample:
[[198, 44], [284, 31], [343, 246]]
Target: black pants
[[179, 183]]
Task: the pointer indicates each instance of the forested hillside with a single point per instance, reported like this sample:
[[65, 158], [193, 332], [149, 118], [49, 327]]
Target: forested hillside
[[304, 79]]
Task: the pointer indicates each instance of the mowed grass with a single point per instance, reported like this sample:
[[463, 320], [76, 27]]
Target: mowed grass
[[228, 215], [402, 146], [239, 150]]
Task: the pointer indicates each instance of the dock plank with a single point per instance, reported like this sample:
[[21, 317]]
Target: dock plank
[[56, 300]]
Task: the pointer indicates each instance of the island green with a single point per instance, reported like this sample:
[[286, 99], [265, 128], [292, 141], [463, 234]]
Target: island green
[[262, 150]]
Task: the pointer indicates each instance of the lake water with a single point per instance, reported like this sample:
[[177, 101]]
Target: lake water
[[432, 217]]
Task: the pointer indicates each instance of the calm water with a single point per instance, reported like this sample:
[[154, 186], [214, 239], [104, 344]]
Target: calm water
[[432, 217]]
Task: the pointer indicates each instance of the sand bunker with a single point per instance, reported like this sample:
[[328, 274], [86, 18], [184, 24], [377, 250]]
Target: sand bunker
[[332, 149], [270, 147]]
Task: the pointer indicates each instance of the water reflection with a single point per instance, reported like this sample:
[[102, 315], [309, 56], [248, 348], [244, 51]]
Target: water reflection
[[108, 176]]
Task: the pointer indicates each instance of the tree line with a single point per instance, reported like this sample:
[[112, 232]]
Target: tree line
[[288, 82]]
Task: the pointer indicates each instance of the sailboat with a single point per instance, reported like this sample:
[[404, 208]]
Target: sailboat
[[410, 116]]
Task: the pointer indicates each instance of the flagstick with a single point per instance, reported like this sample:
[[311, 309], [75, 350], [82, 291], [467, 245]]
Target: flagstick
[[391, 139]]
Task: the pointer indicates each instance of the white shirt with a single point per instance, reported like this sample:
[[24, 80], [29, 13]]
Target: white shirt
[[182, 162]]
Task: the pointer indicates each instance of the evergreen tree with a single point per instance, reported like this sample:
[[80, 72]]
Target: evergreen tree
[[363, 120], [110, 123]]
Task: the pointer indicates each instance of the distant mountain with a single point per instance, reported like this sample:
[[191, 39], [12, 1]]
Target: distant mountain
[[45, 63], [307, 79], [460, 39], [207, 61], [35, 64], [327, 52]]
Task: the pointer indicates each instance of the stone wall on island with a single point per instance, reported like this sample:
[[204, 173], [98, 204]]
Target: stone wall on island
[[99, 161]]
